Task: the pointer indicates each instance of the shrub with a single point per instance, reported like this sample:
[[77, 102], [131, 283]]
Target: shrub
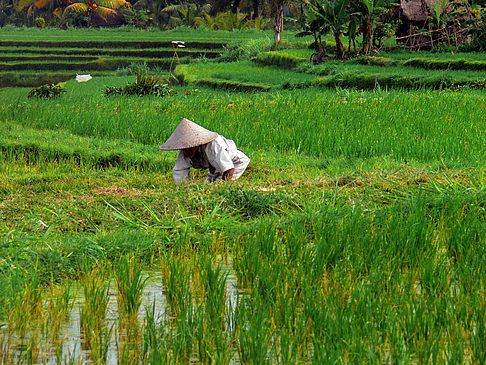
[[40, 22], [48, 91], [138, 18], [144, 85]]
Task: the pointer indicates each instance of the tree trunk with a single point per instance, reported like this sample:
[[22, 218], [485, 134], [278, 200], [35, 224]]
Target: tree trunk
[[278, 20], [234, 8], [367, 32], [339, 44], [256, 9]]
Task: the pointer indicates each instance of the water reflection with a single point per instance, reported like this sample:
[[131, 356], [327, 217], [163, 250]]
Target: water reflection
[[71, 346]]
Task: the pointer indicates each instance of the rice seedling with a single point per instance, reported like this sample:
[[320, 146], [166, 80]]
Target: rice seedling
[[253, 332], [130, 285], [59, 308], [96, 331]]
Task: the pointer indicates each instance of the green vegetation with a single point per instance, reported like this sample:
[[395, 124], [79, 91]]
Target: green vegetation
[[354, 236]]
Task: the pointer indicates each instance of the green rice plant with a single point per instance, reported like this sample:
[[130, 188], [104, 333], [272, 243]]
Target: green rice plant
[[239, 51], [253, 332], [246, 263], [155, 346], [243, 73], [279, 59], [214, 343], [176, 280], [130, 285], [96, 330], [60, 305], [213, 281], [292, 340], [26, 308], [231, 85]]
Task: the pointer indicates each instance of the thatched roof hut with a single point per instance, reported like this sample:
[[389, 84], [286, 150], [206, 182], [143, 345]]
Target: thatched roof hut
[[415, 14]]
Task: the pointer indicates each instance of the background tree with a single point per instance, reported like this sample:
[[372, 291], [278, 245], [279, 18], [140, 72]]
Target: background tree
[[334, 15], [277, 7], [186, 14], [6, 11], [101, 12], [369, 13]]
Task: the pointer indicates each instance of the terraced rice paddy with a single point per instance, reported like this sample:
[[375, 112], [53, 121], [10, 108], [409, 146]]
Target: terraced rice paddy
[[355, 236]]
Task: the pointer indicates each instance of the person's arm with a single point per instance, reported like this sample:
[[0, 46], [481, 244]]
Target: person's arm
[[228, 174], [219, 156], [181, 170]]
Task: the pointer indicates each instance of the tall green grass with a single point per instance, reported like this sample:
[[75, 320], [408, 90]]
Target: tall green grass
[[332, 283], [421, 125]]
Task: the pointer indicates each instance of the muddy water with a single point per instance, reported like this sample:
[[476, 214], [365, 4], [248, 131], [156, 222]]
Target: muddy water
[[72, 347]]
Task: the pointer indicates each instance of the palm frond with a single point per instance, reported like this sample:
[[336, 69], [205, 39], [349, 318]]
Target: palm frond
[[76, 8], [42, 3], [104, 12], [113, 4], [21, 4], [171, 8]]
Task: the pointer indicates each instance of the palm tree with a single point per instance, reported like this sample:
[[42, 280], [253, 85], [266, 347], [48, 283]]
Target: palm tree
[[99, 12], [368, 11]]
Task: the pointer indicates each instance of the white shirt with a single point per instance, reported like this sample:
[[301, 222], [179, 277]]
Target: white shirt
[[217, 156]]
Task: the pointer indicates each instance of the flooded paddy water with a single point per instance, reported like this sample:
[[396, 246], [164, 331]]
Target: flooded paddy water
[[70, 346]]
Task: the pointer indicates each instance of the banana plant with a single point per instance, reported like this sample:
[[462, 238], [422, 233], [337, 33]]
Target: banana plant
[[368, 12], [315, 26], [188, 13], [335, 15]]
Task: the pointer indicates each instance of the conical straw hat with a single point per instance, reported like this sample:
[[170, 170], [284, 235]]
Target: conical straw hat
[[188, 134]]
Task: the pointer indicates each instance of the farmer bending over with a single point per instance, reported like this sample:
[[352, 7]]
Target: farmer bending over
[[203, 149]]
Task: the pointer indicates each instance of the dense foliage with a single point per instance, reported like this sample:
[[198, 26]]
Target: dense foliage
[[143, 85], [47, 91], [371, 22]]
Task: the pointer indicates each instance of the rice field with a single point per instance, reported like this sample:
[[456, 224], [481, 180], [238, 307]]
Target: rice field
[[356, 235]]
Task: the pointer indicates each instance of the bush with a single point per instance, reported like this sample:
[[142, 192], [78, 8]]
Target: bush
[[48, 91], [40, 22], [144, 85]]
